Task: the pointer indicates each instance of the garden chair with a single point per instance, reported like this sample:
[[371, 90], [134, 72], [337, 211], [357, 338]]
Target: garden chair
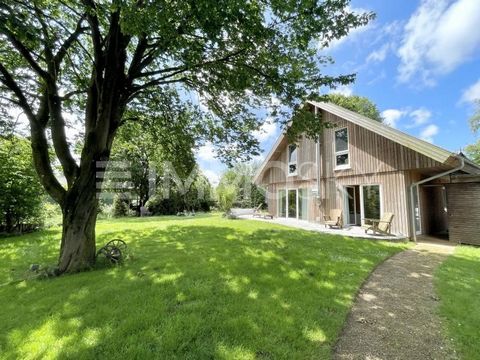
[[257, 212], [382, 226], [334, 218]]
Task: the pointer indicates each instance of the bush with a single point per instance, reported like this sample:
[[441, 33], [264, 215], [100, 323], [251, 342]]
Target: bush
[[227, 195], [20, 190], [51, 214], [121, 206], [176, 203]]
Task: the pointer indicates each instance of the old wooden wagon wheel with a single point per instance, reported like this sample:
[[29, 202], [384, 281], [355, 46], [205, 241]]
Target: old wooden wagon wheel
[[113, 250], [118, 243]]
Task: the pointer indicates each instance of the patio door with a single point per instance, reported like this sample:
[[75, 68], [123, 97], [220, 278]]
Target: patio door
[[371, 199], [352, 205], [282, 203], [292, 203], [416, 211]]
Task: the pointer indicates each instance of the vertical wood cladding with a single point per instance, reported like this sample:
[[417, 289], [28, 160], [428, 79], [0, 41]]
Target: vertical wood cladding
[[464, 212]]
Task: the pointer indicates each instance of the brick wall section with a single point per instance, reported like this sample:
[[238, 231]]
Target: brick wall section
[[464, 212]]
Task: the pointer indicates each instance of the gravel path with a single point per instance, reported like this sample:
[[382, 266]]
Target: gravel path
[[394, 315]]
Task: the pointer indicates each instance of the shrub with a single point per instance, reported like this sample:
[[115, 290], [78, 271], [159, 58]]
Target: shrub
[[121, 206], [227, 195]]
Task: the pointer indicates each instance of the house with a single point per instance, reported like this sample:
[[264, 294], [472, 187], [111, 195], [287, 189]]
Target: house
[[367, 168]]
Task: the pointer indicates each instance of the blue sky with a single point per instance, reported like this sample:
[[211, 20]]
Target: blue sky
[[419, 61]]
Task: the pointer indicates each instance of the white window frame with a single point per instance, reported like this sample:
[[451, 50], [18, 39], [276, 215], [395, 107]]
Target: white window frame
[[343, 152], [292, 163]]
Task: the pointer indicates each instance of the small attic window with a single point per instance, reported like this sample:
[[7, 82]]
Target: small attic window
[[292, 159]]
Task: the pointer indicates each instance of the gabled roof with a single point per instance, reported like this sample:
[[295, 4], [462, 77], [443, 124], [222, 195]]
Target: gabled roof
[[423, 147]]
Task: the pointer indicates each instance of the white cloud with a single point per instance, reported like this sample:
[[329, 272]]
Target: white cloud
[[429, 132], [438, 37], [392, 116], [380, 54], [206, 152], [471, 94], [420, 117], [266, 131], [212, 176], [345, 90]]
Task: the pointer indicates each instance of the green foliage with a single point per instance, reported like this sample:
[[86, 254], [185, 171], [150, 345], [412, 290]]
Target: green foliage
[[217, 287], [457, 282], [117, 58], [51, 214], [240, 176], [172, 198], [475, 118], [226, 195], [358, 104], [222, 52], [21, 194], [121, 206], [473, 152], [307, 123]]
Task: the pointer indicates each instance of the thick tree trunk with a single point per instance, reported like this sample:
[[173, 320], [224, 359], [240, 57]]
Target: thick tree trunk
[[77, 252]]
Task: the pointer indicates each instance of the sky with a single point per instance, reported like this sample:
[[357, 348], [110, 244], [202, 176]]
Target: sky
[[419, 61]]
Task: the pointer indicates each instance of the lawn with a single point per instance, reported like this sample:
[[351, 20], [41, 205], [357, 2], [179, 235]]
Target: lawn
[[458, 285], [194, 288]]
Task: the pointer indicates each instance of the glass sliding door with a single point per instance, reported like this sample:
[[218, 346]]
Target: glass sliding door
[[303, 204], [292, 203], [371, 201], [352, 204], [416, 209], [282, 203]]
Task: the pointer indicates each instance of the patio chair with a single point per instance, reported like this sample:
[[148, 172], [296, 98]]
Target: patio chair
[[382, 226], [257, 212], [334, 219]]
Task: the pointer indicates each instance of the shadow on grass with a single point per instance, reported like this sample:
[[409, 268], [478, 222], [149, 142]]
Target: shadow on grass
[[457, 283], [194, 291]]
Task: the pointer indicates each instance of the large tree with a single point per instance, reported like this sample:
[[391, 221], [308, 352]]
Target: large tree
[[97, 59]]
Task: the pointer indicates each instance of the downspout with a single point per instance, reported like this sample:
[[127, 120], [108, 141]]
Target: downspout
[[413, 185], [319, 168]]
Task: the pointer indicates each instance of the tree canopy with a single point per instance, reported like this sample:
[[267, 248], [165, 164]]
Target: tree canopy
[[473, 150], [358, 104], [99, 61]]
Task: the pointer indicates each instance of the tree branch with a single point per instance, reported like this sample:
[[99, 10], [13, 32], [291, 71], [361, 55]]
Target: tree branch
[[41, 156], [24, 52], [58, 58]]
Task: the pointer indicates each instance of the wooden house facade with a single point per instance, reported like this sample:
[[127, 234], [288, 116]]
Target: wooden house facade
[[364, 168]]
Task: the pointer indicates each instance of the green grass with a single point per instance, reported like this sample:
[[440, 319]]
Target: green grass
[[457, 282], [196, 288]]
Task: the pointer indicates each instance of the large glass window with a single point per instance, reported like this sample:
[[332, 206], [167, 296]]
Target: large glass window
[[303, 204], [371, 201], [292, 159], [341, 148], [292, 203], [282, 203]]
